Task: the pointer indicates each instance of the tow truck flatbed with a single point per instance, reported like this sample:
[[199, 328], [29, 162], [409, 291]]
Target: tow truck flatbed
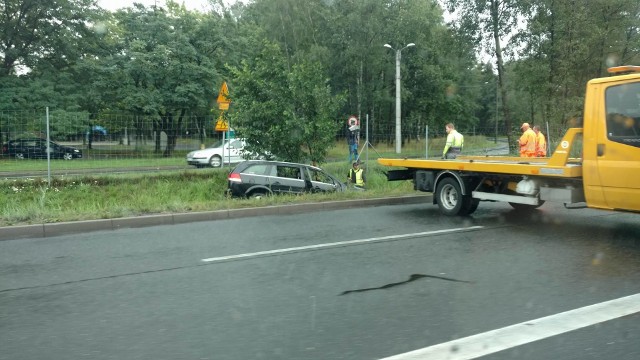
[[559, 165], [495, 165]]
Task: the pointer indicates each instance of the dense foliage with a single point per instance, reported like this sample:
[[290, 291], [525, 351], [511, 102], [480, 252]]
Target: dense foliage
[[297, 69]]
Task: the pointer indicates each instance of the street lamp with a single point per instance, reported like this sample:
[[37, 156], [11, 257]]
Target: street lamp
[[496, 139], [398, 129]]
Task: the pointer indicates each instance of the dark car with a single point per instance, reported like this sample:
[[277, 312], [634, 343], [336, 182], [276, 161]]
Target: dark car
[[257, 178], [36, 148]]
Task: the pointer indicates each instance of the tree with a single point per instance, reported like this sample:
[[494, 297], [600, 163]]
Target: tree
[[41, 44], [289, 114], [568, 43], [490, 21], [348, 36], [24, 100], [43, 30], [167, 70]]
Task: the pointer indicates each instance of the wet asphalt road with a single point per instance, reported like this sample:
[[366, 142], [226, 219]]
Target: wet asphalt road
[[147, 294]]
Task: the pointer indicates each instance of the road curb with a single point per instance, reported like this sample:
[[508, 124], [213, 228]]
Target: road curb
[[75, 227]]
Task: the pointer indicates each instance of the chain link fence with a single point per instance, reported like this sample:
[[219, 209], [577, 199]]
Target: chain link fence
[[108, 142]]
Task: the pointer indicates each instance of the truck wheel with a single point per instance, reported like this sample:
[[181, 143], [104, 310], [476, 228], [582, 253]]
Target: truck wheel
[[450, 198], [526, 207]]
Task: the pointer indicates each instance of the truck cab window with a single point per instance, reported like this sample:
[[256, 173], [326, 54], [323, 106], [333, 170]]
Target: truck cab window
[[623, 114]]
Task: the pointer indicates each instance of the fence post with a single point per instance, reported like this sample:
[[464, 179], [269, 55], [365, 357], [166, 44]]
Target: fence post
[[367, 144], [48, 151], [426, 141], [548, 140]]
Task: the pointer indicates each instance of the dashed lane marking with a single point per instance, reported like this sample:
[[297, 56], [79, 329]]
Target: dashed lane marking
[[339, 244]]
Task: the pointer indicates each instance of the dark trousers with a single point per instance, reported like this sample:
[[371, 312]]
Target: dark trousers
[[452, 153]]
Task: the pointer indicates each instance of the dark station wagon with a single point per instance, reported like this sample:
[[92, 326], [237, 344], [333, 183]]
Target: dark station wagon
[[257, 178]]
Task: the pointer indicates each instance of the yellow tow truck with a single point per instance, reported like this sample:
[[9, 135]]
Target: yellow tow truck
[[595, 166]]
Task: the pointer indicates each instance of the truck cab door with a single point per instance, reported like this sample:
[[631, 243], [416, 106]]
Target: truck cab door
[[618, 147]]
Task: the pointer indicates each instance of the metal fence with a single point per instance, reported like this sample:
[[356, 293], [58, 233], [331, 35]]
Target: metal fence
[[113, 141], [147, 135]]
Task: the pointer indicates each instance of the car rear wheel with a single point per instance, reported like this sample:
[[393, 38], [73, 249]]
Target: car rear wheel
[[19, 156], [67, 156], [258, 195], [215, 161]]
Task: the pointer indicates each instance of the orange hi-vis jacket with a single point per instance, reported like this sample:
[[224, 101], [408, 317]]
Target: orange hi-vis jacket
[[528, 144], [541, 145]]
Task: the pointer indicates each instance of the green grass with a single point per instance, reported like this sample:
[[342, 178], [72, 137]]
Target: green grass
[[31, 201], [8, 164], [69, 198]]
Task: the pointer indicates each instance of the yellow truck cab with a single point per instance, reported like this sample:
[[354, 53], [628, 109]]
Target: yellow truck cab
[[597, 165], [611, 145]]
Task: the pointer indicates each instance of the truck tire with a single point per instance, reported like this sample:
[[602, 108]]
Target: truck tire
[[470, 205], [450, 200]]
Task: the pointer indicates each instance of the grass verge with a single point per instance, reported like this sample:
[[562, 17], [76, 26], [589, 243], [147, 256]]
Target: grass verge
[[31, 201]]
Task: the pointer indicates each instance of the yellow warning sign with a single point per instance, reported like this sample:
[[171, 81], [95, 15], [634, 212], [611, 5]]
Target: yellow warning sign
[[221, 124], [223, 97]]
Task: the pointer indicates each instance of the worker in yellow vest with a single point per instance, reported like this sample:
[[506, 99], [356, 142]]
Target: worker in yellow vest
[[527, 141], [356, 176], [455, 142]]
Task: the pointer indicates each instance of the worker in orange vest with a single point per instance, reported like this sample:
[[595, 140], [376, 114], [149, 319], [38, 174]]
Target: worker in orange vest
[[527, 141], [541, 143]]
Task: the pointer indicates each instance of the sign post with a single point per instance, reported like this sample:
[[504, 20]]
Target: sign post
[[222, 124]]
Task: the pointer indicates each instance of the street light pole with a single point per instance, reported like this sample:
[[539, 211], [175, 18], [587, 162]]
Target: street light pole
[[496, 138], [398, 102]]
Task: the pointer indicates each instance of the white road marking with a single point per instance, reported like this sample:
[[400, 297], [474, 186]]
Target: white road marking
[[339, 244], [523, 333]]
